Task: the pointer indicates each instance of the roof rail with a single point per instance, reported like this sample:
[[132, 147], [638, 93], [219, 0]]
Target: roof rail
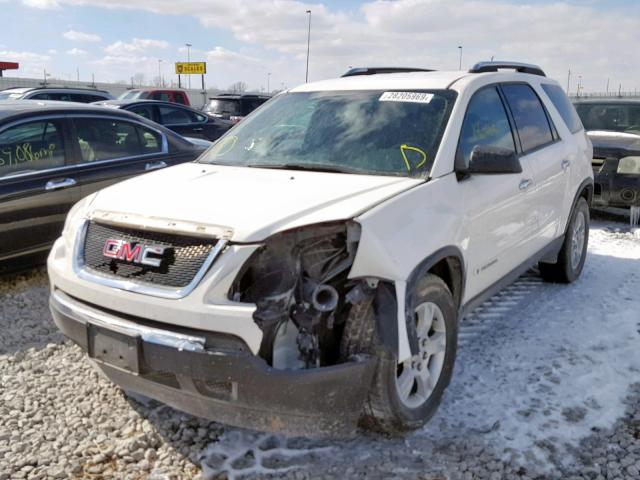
[[67, 87], [376, 70], [483, 67]]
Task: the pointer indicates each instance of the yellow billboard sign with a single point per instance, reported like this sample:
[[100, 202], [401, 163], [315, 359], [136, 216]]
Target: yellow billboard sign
[[191, 68]]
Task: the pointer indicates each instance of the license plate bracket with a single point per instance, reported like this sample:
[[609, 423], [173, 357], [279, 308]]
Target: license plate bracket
[[114, 348]]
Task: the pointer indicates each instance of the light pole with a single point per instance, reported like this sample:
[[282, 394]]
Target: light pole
[[160, 82], [460, 63], [306, 77], [188, 45], [268, 79], [579, 84]]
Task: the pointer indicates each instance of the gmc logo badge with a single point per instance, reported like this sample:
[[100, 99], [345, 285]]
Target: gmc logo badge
[[133, 252]]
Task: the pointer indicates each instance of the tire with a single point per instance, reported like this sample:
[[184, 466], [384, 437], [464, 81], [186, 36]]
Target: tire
[[574, 248], [386, 410]]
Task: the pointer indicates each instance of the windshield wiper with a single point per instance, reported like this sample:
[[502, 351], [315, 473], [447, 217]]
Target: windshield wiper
[[311, 167]]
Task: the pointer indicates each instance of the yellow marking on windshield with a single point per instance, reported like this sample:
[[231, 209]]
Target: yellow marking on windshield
[[404, 147], [231, 141]]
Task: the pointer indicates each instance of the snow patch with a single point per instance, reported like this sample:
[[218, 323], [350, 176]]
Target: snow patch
[[238, 453]]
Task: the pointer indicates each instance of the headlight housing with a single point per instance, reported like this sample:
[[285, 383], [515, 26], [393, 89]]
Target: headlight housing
[[629, 165], [77, 214], [319, 252]]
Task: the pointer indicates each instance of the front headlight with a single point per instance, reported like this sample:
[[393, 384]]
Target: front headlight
[[629, 166], [317, 253]]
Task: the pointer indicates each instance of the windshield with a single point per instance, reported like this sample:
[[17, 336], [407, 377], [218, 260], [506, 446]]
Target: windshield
[[223, 107], [617, 117], [129, 94], [368, 132], [10, 95]]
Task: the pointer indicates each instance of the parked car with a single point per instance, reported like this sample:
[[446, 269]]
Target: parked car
[[311, 268], [613, 126], [64, 94], [181, 119], [161, 94], [234, 107], [52, 154]]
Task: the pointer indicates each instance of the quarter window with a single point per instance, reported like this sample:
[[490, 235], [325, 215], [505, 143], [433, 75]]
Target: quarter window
[[104, 139], [530, 118], [564, 107], [31, 147], [485, 123]]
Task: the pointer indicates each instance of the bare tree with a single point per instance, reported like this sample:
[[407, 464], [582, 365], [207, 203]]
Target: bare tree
[[138, 79], [238, 87]]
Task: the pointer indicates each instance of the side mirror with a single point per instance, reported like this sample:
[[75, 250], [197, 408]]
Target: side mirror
[[491, 159]]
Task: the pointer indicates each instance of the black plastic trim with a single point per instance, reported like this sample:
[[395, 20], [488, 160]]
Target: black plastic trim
[[485, 67], [552, 249], [378, 70]]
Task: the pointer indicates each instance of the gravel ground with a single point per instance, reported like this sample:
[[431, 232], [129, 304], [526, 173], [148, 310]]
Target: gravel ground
[[60, 419]]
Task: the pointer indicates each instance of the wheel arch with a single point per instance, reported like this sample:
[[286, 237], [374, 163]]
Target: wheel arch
[[446, 263], [585, 190]]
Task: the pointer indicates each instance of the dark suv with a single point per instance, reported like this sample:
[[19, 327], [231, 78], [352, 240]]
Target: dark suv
[[234, 107], [64, 94], [613, 126]]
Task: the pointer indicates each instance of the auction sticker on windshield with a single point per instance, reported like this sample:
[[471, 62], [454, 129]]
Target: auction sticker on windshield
[[415, 97]]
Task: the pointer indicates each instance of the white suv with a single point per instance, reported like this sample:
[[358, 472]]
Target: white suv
[[311, 268]]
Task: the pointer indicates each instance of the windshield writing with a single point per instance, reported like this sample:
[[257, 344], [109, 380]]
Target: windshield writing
[[354, 132]]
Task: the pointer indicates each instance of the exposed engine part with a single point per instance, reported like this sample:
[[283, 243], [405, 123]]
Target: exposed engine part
[[324, 298], [299, 279]]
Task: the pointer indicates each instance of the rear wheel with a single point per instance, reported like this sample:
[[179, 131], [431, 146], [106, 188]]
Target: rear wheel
[[404, 396], [574, 249]]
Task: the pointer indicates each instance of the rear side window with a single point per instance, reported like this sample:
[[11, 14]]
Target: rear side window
[[87, 98], [30, 147], [40, 96], [163, 96], [531, 120], [564, 107], [105, 139], [179, 97], [485, 123], [175, 116], [145, 111]]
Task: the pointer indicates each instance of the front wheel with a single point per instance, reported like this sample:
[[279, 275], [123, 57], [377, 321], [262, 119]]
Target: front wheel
[[404, 396], [574, 249]]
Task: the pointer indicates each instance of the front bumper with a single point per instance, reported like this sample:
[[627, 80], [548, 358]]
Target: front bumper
[[214, 375], [616, 190]]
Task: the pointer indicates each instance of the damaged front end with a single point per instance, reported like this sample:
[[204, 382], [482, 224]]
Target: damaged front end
[[299, 282]]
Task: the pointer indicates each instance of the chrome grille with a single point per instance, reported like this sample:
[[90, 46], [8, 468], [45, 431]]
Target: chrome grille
[[181, 261]]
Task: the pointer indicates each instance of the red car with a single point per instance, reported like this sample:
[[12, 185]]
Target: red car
[[163, 94]]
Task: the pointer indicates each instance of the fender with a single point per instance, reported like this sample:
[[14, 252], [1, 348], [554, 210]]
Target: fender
[[588, 184], [407, 324]]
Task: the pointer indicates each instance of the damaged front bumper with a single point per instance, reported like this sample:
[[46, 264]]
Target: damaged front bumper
[[216, 376]]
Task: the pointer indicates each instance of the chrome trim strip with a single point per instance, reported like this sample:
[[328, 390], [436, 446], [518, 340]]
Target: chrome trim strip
[[85, 314], [82, 272]]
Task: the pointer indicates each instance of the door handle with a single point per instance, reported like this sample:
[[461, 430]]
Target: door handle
[[155, 165], [58, 184], [525, 183], [565, 164], [197, 129]]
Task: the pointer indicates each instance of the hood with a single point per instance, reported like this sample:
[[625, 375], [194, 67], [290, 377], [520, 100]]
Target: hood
[[608, 140], [250, 204]]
